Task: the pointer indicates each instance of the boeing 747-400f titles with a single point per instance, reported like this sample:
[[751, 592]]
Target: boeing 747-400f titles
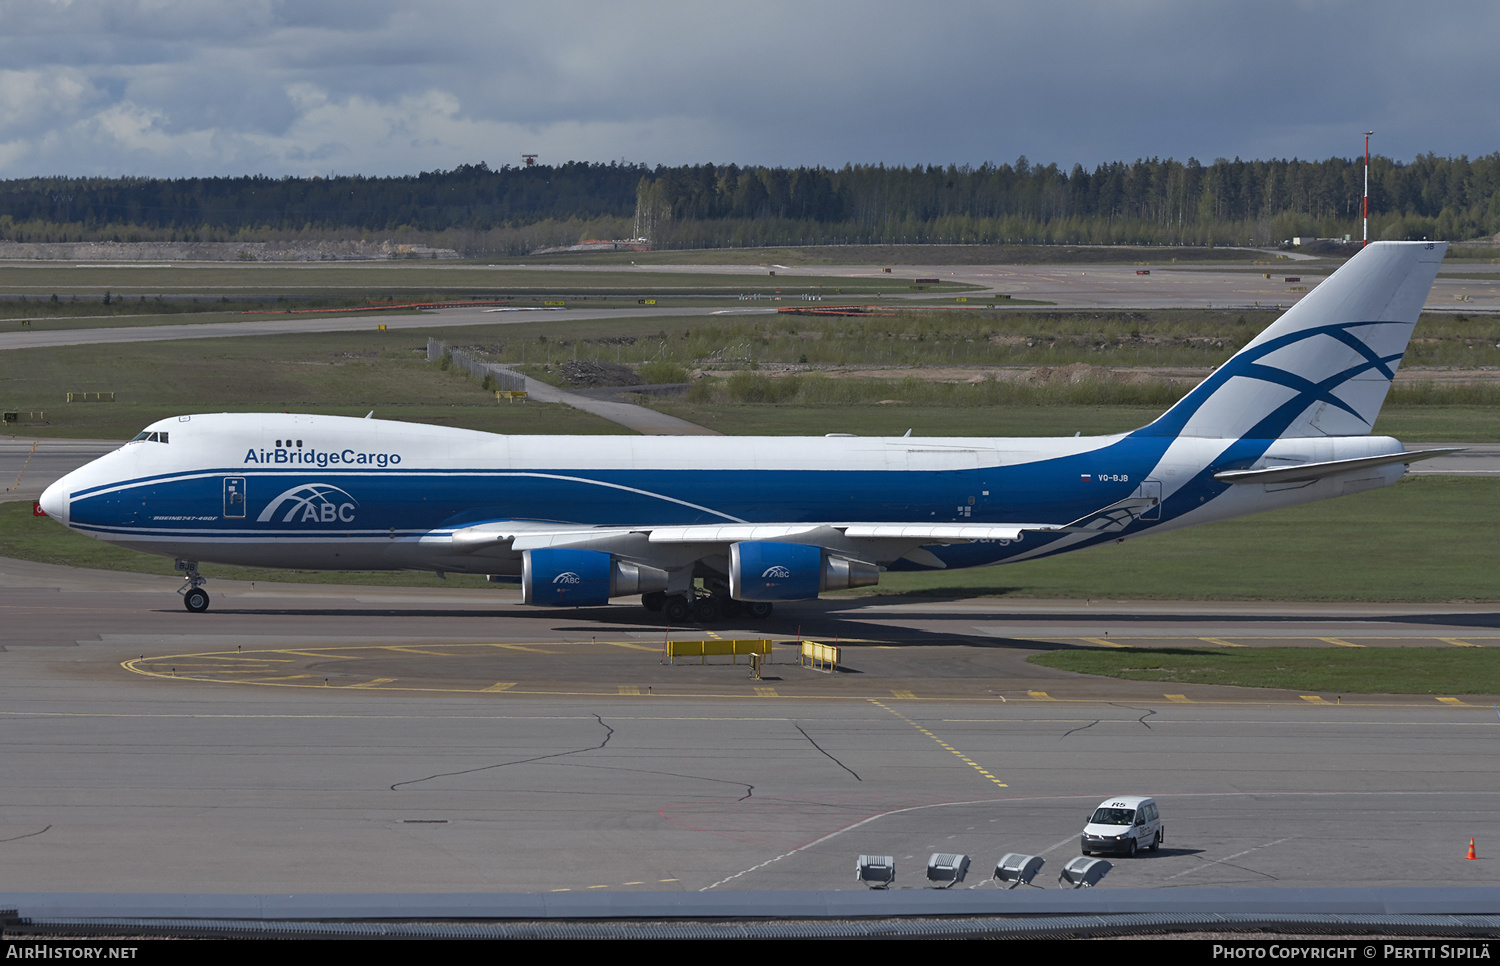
[[580, 520]]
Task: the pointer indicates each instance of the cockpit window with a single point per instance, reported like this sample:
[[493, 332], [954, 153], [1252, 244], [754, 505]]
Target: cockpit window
[[150, 437]]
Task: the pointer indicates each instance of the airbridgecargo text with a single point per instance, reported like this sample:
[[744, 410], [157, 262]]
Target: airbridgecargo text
[[317, 457]]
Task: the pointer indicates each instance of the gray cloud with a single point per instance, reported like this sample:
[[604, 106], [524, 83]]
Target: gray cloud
[[257, 86]]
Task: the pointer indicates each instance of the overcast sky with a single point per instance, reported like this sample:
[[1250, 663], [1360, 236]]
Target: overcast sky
[[378, 87]]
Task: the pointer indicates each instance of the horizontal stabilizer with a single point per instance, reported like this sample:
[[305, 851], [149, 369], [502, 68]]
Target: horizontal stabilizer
[[1307, 472]]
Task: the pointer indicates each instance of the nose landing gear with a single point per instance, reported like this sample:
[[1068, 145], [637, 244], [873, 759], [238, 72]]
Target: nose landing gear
[[194, 597]]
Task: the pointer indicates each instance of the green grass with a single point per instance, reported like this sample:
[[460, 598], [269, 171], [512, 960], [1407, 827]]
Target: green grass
[[346, 373], [1424, 424], [815, 390], [895, 419], [1424, 539], [353, 372], [1439, 424], [1382, 670], [1022, 337], [120, 421]]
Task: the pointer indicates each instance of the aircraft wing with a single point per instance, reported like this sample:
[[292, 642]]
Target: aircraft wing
[[873, 541]]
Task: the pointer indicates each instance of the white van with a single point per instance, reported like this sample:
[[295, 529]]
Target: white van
[[1125, 824]]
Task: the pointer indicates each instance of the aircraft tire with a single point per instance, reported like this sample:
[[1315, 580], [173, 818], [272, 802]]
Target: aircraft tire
[[760, 609], [706, 610], [196, 600], [654, 601], [677, 609]]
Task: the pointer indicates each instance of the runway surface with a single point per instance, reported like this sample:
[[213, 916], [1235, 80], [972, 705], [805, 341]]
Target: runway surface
[[463, 743]]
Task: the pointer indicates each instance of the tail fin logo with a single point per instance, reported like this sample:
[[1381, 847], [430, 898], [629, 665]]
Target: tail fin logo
[[1324, 367], [312, 503]]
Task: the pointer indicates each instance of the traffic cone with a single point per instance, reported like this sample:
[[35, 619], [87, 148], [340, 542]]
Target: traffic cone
[[1471, 854]]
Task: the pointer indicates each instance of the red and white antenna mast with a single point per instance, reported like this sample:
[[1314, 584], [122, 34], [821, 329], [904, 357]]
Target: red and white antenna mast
[[1367, 189]]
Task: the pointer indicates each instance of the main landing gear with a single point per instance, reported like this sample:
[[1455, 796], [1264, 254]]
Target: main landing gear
[[194, 597], [707, 608]]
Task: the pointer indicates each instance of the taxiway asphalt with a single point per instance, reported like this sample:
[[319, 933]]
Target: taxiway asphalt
[[463, 743]]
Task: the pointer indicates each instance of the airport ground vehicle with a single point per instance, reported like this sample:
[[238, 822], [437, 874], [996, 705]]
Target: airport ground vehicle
[[1124, 824]]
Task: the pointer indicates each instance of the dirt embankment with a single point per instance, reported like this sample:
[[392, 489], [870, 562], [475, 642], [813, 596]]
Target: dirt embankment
[[597, 375]]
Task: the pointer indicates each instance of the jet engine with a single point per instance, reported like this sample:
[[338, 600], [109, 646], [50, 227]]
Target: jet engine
[[768, 570], [560, 577]]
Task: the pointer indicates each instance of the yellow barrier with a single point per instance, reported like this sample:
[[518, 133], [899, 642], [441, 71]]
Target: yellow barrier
[[91, 397], [820, 657], [15, 416], [717, 648], [511, 394]]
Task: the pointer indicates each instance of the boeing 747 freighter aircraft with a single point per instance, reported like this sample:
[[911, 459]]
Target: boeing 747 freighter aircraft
[[579, 520]]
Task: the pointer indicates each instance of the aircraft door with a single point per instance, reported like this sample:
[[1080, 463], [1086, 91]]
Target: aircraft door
[[234, 497], [1151, 489]]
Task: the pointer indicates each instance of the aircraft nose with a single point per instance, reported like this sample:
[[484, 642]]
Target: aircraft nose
[[54, 500]]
